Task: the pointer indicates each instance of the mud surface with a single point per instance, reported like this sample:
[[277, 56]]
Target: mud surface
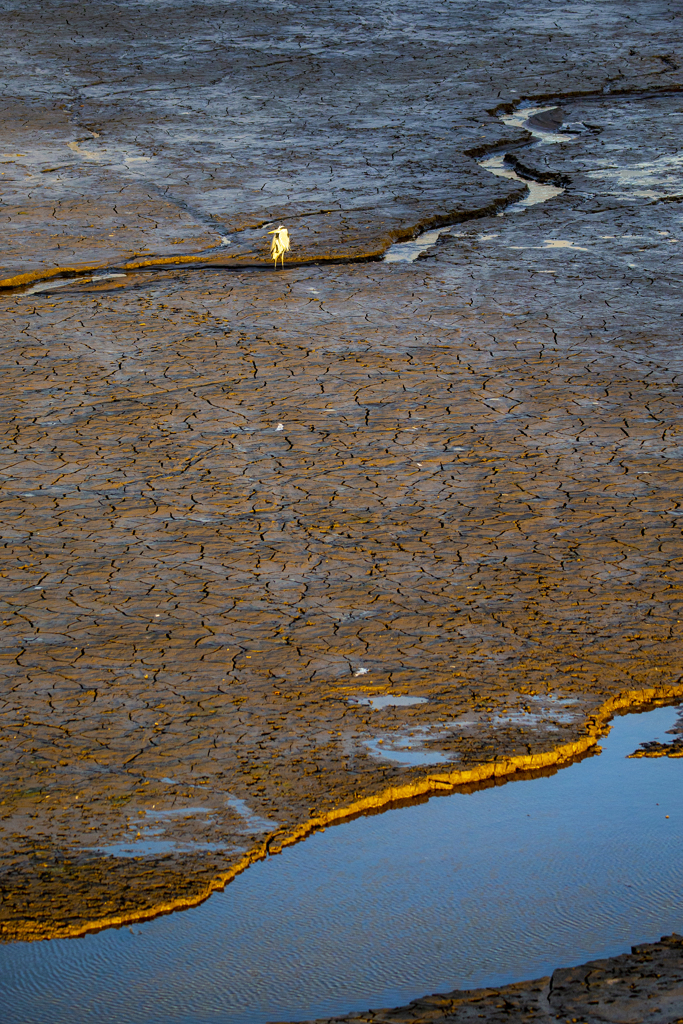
[[643, 985], [457, 479]]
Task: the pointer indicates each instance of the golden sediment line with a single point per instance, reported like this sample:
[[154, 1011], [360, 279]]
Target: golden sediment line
[[30, 277], [666, 750], [240, 261], [597, 726]]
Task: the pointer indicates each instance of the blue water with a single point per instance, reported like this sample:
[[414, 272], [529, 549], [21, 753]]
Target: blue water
[[462, 891]]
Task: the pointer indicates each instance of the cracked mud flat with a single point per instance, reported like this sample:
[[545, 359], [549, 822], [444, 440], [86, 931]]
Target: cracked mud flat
[[456, 480], [480, 887]]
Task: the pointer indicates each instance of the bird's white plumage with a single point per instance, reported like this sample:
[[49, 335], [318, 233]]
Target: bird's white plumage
[[280, 244]]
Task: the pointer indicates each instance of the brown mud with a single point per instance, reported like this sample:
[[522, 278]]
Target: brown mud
[[457, 479]]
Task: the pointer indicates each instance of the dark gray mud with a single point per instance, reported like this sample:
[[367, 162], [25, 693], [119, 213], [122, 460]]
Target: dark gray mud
[[165, 128], [240, 508]]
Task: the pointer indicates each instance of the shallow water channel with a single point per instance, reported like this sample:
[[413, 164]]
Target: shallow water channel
[[408, 252], [463, 890]]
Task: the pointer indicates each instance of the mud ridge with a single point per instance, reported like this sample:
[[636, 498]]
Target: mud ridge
[[597, 725], [579, 94], [544, 177], [199, 260]]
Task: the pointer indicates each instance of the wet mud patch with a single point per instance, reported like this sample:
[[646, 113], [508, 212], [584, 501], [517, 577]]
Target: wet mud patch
[[550, 153], [356, 145], [594, 159]]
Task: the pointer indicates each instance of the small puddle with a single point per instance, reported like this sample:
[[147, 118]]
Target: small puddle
[[387, 700], [48, 286], [407, 748], [252, 822], [148, 834], [151, 835], [458, 891], [546, 129]]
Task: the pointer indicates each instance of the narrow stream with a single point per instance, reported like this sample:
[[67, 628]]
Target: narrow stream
[[460, 891], [537, 192]]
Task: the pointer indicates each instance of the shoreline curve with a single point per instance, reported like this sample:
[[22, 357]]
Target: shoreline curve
[[596, 725]]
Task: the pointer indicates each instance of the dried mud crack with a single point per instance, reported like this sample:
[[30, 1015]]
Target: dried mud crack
[[252, 253]]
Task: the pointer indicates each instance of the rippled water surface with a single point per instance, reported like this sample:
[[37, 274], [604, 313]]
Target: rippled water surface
[[464, 890]]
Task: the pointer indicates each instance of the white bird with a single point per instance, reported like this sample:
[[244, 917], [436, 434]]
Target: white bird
[[280, 244]]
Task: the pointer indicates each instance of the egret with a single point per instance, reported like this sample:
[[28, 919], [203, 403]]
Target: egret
[[280, 244]]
